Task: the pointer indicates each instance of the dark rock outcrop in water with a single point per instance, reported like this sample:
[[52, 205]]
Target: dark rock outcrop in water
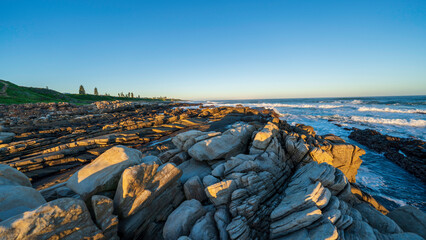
[[228, 173], [409, 154]]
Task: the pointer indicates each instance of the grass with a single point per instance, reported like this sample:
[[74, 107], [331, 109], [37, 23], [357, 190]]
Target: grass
[[17, 95]]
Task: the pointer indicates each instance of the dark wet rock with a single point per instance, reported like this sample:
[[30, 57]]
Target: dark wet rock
[[408, 153]]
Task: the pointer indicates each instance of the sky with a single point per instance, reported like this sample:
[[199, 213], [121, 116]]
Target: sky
[[220, 49]]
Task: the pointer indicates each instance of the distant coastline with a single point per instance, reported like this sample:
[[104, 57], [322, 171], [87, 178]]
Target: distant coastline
[[11, 93]]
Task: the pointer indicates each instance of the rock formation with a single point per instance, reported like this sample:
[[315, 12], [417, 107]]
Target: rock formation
[[229, 173], [409, 154]]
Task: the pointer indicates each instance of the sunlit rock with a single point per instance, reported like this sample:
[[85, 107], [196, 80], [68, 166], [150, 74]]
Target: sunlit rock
[[220, 193], [143, 195], [103, 208], [104, 172], [64, 218], [230, 143]]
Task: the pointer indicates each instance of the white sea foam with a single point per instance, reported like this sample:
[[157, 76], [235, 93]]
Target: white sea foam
[[373, 109], [397, 201], [276, 105], [401, 122], [356, 102]]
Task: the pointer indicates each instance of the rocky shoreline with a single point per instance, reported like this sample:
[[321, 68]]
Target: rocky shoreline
[[116, 170], [408, 153]]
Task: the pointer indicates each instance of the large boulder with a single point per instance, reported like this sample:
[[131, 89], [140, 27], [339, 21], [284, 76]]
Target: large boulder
[[140, 184], [410, 219], [16, 199], [181, 220], [230, 143], [146, 193], [11, 176], [64, 218], [104, 172]]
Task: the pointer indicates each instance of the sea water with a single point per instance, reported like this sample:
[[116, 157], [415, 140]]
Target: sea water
[[404, 116]]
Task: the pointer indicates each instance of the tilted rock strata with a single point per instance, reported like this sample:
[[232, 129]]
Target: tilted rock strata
[[255, 180]]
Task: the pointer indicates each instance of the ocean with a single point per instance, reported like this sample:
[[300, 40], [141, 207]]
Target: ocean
[[403, 116]]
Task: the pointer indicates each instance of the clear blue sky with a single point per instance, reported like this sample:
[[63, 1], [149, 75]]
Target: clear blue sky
[[219, 49]]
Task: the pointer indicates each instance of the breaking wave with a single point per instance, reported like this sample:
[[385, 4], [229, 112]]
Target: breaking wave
[[372, 109], [401, 122], [279, 105]]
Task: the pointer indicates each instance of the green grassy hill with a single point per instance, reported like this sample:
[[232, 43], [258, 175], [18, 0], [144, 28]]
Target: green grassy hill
[[13, 94]]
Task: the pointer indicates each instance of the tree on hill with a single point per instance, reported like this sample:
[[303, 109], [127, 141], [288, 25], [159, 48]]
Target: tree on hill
[[96, 91], [81, 90]]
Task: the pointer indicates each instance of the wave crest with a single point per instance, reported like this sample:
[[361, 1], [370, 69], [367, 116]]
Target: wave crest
[[275, 105], [401, 122], [372, 109]]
